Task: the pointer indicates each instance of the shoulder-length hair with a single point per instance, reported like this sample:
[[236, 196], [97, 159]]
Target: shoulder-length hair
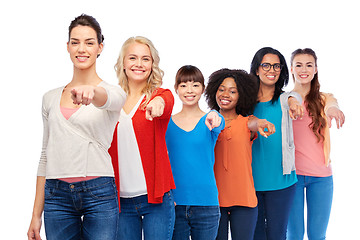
[[246, 85], [156, 75], [314, 100], [284, 74], [189, 73]]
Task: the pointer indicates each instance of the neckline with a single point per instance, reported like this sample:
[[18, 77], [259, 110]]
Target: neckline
[[191, 129], [132, 112]]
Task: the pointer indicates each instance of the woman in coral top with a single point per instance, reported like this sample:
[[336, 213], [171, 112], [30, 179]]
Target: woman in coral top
[[312, 148], [233, 93], [139, 154]]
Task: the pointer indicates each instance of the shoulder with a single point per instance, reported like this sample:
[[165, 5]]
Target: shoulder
[[166, 95], [52, 94], [162, 92], [111, 87]]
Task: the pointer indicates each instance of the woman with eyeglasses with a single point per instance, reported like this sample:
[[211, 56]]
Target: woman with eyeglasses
[[312, 142], [273, 161]]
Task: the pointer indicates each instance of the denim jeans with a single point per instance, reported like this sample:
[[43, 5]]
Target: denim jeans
[[319, 193], [153, 221], [273, 216], [199, 222], [81, 210], [242, 223]]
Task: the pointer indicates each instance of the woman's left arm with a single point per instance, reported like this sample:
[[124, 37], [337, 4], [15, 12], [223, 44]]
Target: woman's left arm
[[332, 110], [214, 120], [160, 106]]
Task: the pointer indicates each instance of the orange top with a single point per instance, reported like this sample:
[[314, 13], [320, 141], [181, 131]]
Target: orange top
[[232, 168]]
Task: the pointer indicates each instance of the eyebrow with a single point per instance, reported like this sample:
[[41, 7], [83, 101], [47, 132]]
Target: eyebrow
[[227, 87], [305, 63], [133, 54], [88, 39]]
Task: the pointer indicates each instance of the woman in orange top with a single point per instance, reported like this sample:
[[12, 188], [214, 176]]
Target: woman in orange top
[[233, 94]]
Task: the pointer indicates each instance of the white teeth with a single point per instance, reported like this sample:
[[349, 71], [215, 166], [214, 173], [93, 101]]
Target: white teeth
[[224, 101], [190, 97]]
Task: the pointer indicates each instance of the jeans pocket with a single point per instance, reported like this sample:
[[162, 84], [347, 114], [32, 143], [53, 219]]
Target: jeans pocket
[[104, 192], [49, 191]]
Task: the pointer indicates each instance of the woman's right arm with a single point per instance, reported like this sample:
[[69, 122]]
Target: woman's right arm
[[262, 126], [35, 224]]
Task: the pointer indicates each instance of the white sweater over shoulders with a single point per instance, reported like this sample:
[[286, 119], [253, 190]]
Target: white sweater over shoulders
[[77, 147]]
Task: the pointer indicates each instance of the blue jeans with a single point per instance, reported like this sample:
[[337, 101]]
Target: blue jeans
[[199, 222], [81, 210], [273, 216], [242, 223], [319, 194], [154, 221]]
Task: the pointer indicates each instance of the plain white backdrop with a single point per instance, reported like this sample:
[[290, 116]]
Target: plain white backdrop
[[208, 34]]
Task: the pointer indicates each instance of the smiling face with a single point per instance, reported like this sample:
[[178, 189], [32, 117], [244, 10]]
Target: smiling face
[[138, 62], [227, 95], [303, 68], [83, 47], [270, 77], [189, 92]]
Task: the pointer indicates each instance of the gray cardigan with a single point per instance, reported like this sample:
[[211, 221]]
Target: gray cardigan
[[288, 146]]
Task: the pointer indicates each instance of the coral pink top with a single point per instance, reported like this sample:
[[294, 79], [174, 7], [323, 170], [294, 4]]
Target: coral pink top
[[309, 153], [233, 171]]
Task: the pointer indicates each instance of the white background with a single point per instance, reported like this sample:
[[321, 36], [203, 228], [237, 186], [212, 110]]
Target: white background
[[208, 34]]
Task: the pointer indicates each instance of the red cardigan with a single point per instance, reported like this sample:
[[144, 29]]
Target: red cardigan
[[150, 136]]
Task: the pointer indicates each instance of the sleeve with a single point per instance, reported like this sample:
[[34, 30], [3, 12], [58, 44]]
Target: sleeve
[[116, 97], [169, 102], [43, 159], [330, 101], [287, 95], [218, 129]]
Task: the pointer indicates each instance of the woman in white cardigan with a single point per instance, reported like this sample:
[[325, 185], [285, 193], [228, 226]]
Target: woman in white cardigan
[[75, 181]]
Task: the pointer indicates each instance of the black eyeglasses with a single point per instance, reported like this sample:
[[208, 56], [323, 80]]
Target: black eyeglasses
[[267, 66]]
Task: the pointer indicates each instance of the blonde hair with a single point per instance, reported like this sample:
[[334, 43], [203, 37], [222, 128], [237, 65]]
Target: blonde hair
[[155, 79]]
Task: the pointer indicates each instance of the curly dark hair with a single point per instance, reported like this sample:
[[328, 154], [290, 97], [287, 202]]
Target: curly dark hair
[[246, 84], [284, 74]]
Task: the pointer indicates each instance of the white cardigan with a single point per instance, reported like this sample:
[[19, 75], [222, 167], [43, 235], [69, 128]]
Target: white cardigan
[[78, 147]]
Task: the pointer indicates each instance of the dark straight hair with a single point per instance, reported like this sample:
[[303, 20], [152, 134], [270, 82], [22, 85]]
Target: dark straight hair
[[284, 74], [86, 20]]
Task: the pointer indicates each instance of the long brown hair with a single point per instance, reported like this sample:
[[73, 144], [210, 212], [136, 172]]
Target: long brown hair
[[314, 100]]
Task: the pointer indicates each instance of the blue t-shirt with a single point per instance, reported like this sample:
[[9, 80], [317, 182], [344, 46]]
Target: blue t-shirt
[[192, 162], [267, 152]]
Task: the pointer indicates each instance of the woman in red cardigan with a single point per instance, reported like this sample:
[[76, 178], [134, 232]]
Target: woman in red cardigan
[[139, 154]]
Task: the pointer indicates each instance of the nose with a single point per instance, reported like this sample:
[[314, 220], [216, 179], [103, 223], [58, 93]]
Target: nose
[[189, 89], [81, 47], [225, 94], [272, 68], [138, 62]]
